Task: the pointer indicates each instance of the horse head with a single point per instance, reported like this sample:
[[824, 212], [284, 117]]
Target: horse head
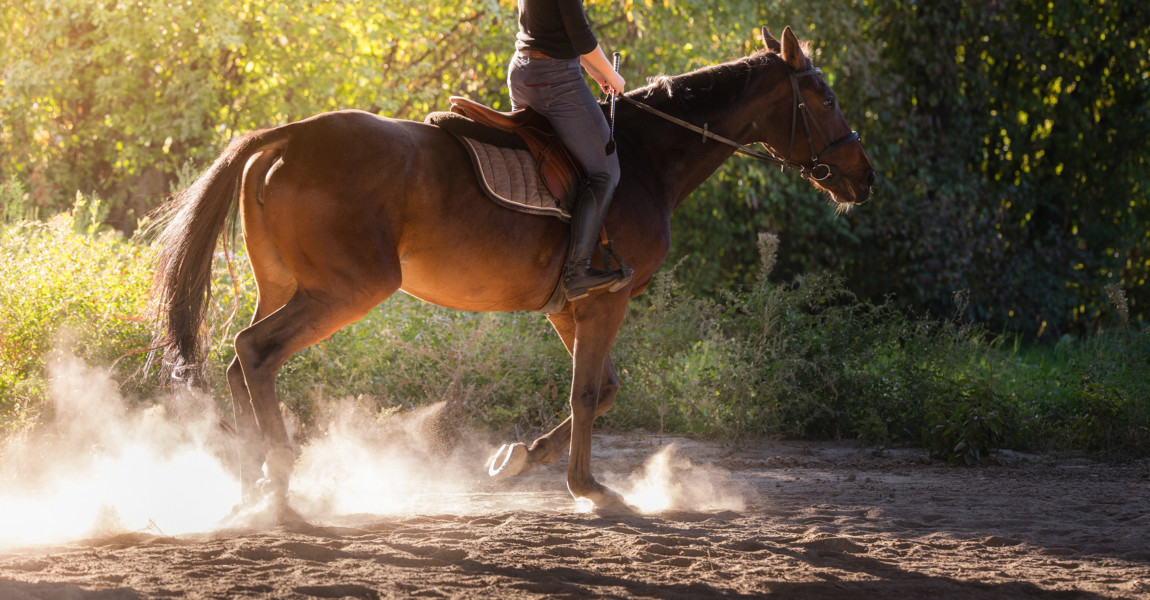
[[819, 142]]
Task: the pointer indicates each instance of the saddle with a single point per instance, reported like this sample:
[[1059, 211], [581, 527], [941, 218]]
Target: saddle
[[492, 139]]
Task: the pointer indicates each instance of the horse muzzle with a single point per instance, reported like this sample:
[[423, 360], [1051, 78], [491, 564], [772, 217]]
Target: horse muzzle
[[842, 188]]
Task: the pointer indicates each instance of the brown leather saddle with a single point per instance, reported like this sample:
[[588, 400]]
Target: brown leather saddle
[[558, 171]]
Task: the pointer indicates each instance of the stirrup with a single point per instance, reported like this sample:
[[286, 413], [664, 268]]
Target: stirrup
[[615, 279], [594, 281], [624, 270]]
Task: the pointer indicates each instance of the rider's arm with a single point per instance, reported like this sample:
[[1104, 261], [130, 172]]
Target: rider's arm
[[601, 71], [575, 25]]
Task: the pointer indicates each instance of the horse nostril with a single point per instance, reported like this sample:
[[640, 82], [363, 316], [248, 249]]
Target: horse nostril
[[870, 180]]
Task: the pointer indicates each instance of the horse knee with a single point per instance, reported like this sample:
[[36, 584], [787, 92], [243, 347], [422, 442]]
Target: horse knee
[[607, 393], [585, 403]]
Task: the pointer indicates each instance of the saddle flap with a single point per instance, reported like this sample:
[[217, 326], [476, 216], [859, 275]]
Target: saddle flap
[[559, 172]]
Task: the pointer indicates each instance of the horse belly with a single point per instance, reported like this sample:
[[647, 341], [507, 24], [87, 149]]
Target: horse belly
[[481, 277]]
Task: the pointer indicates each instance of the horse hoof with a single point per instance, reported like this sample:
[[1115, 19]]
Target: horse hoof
[[268, 489], [607, 502], [266, 510], [510, 459], [614, 506]]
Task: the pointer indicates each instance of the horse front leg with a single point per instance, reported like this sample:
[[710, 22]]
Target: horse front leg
[[516, 458], [597, 322]]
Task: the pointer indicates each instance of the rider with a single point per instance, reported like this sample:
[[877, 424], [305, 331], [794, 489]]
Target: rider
[[554, 39]]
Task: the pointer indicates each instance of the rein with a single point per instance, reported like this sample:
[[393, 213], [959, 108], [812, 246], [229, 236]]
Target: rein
[[807, 171]]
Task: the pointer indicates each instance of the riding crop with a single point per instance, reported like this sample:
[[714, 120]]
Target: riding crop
[[610, 149]]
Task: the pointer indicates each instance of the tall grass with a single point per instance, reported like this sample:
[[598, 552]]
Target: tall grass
[[802, 359], [805, 359]]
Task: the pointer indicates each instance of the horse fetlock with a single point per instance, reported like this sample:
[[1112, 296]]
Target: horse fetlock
[[546, 450], [607, 501], [278, 464], [585, 487]]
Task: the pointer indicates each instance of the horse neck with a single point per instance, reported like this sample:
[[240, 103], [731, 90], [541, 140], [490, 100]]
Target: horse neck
[[681, 158]]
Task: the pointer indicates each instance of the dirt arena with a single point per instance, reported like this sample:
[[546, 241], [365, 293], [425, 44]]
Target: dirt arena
[[801, 521]]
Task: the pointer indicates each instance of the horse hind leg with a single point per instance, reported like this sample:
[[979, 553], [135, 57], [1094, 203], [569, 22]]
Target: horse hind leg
[[261, 349], [275, 285], [251, 446]]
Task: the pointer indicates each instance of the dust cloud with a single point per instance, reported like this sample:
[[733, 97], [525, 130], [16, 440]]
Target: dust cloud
[[417, 462], [671, 481], [102, 467]]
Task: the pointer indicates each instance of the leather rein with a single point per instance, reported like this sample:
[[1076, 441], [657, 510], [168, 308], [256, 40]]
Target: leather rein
[[811, 171]]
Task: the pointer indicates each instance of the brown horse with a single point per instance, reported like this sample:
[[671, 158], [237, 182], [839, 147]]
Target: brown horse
[[341, 210]]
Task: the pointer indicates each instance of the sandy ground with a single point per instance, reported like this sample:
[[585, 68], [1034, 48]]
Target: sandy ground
[[813, 521]]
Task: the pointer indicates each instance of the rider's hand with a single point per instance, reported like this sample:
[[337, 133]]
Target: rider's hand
[[601, 70], [612, 81]]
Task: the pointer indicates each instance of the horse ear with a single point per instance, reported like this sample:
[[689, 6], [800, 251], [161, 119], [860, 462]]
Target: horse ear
[[770, 42], [793, 50]]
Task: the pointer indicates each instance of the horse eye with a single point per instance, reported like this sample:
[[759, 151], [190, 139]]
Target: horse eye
[[829, 102]]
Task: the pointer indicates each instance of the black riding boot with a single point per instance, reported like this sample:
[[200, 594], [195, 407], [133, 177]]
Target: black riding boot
[[586, 221]]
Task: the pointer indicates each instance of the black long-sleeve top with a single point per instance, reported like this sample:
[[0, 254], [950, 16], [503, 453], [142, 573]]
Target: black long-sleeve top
[[557, 28]]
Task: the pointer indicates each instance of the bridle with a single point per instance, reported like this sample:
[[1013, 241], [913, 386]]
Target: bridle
[[815, 171]]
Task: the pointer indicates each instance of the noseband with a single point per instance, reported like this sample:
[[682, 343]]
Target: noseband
[[815, 171], [798, 108]]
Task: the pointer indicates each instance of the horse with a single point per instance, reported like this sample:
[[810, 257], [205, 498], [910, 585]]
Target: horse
[[341, 210]]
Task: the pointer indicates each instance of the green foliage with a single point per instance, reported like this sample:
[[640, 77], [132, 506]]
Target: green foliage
[[968, 425], [114, 96], [1012, 141], [1091, 394], [13, 202], [1011, 138], [807, 359], [803, 359], [1027, 126], [66, 286]]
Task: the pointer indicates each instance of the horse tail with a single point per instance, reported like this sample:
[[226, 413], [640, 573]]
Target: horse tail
[[190, 225]]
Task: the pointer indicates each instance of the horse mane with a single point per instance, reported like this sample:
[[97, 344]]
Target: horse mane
[[708, 89]]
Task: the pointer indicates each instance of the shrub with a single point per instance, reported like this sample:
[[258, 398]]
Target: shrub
[[67, 286], [807, 359]]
